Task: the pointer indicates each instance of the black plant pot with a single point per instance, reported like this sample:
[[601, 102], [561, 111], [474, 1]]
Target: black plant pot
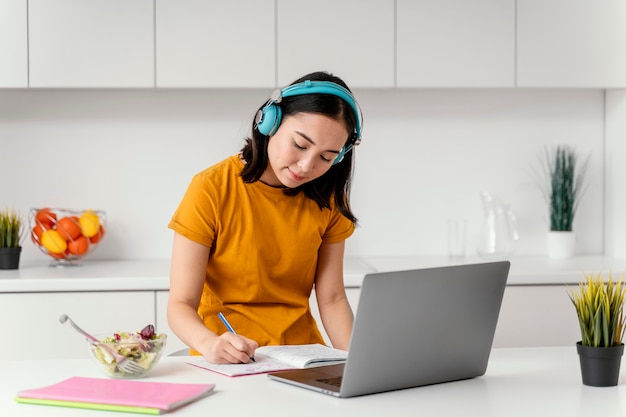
[[600, 365], [10, 258]]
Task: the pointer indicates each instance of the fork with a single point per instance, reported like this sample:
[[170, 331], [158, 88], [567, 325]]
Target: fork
[[122, 362]]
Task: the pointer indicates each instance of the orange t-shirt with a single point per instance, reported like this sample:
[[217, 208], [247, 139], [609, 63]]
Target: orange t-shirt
[[263, 258]]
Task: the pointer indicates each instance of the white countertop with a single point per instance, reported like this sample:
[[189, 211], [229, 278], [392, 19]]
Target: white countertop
[[525, 270], [518, 382], [116, 275], [153, 275]]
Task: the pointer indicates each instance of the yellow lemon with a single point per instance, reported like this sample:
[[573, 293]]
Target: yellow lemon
[[89, 223], [53, 242]]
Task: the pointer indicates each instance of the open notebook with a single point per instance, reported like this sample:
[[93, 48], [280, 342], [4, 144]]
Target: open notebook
[[413, 328], [275, 358]]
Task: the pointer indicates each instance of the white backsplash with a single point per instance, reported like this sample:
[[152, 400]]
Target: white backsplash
[[425, 157]]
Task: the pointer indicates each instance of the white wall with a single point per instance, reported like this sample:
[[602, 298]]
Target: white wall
[[425, 157], [615, 172], [432, 152]]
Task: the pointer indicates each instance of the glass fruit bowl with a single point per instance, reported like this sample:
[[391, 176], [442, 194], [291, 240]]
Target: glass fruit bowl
[[66, 235], [144, 347]]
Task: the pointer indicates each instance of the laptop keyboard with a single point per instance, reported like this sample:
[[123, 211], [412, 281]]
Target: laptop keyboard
[[334, 381]]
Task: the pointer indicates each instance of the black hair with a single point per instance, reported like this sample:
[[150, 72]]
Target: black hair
[[334, 185]]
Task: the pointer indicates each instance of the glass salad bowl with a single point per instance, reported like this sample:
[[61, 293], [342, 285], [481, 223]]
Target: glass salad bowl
[[144, 347]]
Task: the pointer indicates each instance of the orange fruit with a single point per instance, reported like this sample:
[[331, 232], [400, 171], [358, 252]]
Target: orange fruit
[[89, 223], [46, 217], [53, 242], [78, 246], [98, 236], [37, 232], [68, 227]]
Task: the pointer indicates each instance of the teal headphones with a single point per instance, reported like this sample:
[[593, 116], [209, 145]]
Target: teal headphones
[[269, 117]]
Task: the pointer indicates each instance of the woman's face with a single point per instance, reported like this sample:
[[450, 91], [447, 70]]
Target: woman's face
[[303, 149]]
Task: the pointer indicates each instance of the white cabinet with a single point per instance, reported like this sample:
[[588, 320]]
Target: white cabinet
[[13, 44], [95, 43], [174, 344], [212, 43], [563, 43], [530, 316], [350, 38], [264, 43], [456, 43], [31, 328], [540, 315]]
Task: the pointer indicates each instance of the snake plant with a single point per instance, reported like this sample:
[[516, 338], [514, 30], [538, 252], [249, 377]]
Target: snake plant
[[565, 177]]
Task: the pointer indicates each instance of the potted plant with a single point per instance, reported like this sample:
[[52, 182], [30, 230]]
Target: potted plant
[[600, 310], [10, 239], [564, 188]]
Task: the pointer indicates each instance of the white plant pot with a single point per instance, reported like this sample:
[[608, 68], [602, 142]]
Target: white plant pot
[[561, 245]]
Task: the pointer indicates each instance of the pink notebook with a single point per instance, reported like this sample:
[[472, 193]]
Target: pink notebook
[[116, 394]]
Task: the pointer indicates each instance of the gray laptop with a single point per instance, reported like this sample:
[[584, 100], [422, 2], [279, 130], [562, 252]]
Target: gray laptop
[[415, 328]]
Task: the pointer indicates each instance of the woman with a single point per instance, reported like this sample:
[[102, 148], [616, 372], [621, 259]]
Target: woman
[[256, 232]]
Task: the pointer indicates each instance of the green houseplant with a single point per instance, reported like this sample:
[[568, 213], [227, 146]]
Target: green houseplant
[[564, 188], [599, 307], [11, 228]]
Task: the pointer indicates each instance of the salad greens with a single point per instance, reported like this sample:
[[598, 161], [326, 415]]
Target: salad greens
[[143, 347]]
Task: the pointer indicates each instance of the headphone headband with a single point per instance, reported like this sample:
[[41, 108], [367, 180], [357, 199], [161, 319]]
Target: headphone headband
[[325, 87], [269, 117]]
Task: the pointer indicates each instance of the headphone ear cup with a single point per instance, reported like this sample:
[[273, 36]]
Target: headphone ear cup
[[339, 158], [269, 119]]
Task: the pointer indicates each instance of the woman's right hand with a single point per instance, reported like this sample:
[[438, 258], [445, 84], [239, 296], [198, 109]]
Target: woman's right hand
[[230, 348]]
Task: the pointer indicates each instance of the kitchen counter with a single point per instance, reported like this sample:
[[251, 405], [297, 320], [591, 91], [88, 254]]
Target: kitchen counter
[[525, 270], [116, 275], [518, 382], [102, 275]]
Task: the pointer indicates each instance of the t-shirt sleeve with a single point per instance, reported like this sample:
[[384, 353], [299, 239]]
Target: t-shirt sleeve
[[195, 217], [339, 228]]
